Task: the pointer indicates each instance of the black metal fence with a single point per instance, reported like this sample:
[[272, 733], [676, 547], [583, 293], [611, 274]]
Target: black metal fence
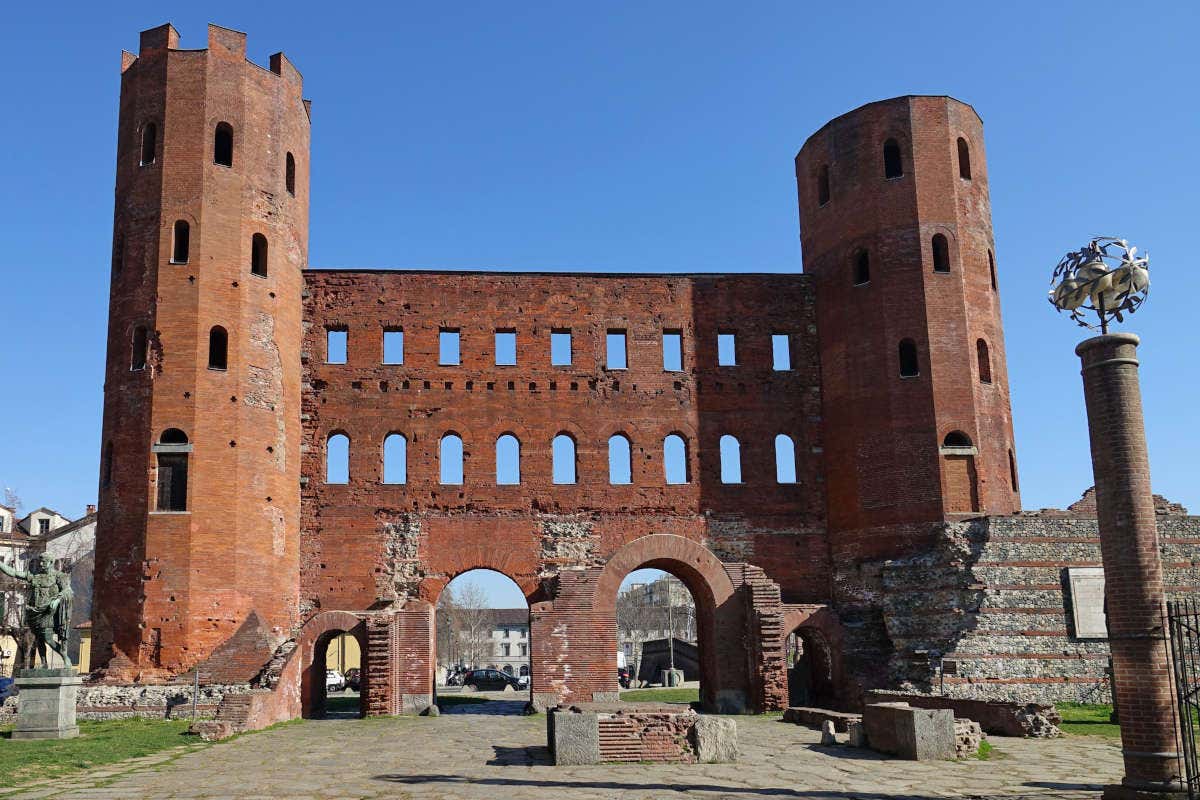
[[1183, 618]]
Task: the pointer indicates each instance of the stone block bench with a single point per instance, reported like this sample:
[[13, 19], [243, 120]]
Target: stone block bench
[[1003, 718], [918, 734], [816, 717], [596, 733]]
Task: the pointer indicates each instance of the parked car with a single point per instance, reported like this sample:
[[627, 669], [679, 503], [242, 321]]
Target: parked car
[[523, 681], [489, 680], [334, 682], [624, 678], [353, 680], [7, 688]]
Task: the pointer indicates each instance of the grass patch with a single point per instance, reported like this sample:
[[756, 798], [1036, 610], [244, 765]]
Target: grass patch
[[675, 695], [99, 743], [451, 700], [985, 751], [1084, 719]]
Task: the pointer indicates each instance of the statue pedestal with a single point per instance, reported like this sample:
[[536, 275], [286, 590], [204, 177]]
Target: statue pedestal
[[46, 704]]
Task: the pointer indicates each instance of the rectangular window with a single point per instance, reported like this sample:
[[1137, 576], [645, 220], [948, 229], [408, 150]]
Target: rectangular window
[[673, 351], [560, 348], [505, 649], [506, 348], [335, 346], [726, 350], [781, 352], [616, 357], [448, 347], [524, 649], [393, 345], [43, 526], [172, 482]]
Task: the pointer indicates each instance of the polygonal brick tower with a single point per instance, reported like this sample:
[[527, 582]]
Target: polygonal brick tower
[[199, 488], [896, 231]]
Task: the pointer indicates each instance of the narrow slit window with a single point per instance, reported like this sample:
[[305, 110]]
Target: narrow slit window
[[563, 458], [785, 459], [892, 166], [823, 185], [726, 350], [393, 345], [335, 345], [395, 458], [620, 460], [218, 348], [1012, 471], [106, 467], [149, 143], [449, 351], [862, 268], [181, 242], [673, 351], [258, 255], [506, 348], [450, 457], [118, 259], [781, 352], [508, 460], [337, 458], [223, 145], [908, 359], [616, 356], [964, 159], [560, 347], [675, 466], [289, 175], [941, 253], [141, 346], [985, 361], [731, 460], [992, 269]]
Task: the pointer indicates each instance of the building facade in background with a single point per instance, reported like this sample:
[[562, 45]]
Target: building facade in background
[[293, 454]]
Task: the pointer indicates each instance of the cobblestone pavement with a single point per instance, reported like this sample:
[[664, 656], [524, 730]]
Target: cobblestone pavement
[[488, 757]]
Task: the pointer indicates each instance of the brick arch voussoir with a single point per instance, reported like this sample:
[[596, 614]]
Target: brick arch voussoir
[[701, 571]]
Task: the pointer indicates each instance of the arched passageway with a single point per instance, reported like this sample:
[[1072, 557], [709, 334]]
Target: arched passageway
[[812, 657], [657, 639], [323, 695]]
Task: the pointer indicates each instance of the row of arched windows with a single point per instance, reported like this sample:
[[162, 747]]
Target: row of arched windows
[[563, 457], [860, 264], [181, 245], [222, 152], [910, 368], [893, 167], [218, 348]]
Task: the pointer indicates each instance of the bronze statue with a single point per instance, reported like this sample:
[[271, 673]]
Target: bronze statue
[[47, 607]]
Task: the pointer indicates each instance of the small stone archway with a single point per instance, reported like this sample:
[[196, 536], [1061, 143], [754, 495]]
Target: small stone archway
[[314, 640], [817, 680], [720, 616]]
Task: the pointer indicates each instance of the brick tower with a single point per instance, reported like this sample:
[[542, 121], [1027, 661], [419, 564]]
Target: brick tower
[[896, 231], [200, 478]]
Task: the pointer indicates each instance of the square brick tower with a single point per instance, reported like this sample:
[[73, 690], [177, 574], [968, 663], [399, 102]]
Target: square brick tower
[[200, 479]]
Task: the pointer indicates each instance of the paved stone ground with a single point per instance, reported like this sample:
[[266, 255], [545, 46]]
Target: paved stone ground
[[490, 757]]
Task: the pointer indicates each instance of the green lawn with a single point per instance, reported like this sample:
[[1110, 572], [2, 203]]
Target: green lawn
[[1088, 720], [678, 695], [99, 743]]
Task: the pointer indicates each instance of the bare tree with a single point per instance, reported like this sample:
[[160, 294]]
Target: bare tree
[[11, 593], [447, 624], [474, 624]]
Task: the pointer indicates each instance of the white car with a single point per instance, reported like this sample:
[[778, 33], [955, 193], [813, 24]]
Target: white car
[[334, 682]]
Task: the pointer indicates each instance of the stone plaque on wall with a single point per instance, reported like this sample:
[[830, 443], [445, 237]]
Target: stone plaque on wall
[[1086, 585]]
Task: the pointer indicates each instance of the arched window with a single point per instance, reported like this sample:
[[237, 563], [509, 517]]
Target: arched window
[[223, 145], [118, 260], [908, 359], [731, 460], [964, 159], [785, 459], [508, 460], [563, 456], [450, 459], [289, 175], [258, 255], [985, 361], [620, 463], [675, 459], [141, 347], [892, 167], [992, 269], [149, 143], [395, 458], [862, 268], [956, 439], [171, 453], [1012, 470], [181, 242], [823, 185], [106, 466], [941, 253], [337, 458], [218, 348]]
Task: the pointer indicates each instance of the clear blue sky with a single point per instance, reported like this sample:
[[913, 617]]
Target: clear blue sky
[[626, 136]]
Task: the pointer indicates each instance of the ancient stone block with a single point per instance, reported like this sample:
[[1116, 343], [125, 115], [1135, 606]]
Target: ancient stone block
[[918, 734], [715, 740]]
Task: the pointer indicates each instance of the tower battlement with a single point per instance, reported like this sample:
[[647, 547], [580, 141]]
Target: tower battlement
[[225, 42]]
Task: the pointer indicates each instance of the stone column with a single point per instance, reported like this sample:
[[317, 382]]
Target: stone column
[[1143, 691]]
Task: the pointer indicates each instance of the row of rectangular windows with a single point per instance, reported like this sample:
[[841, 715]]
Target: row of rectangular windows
[[561, 352]]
